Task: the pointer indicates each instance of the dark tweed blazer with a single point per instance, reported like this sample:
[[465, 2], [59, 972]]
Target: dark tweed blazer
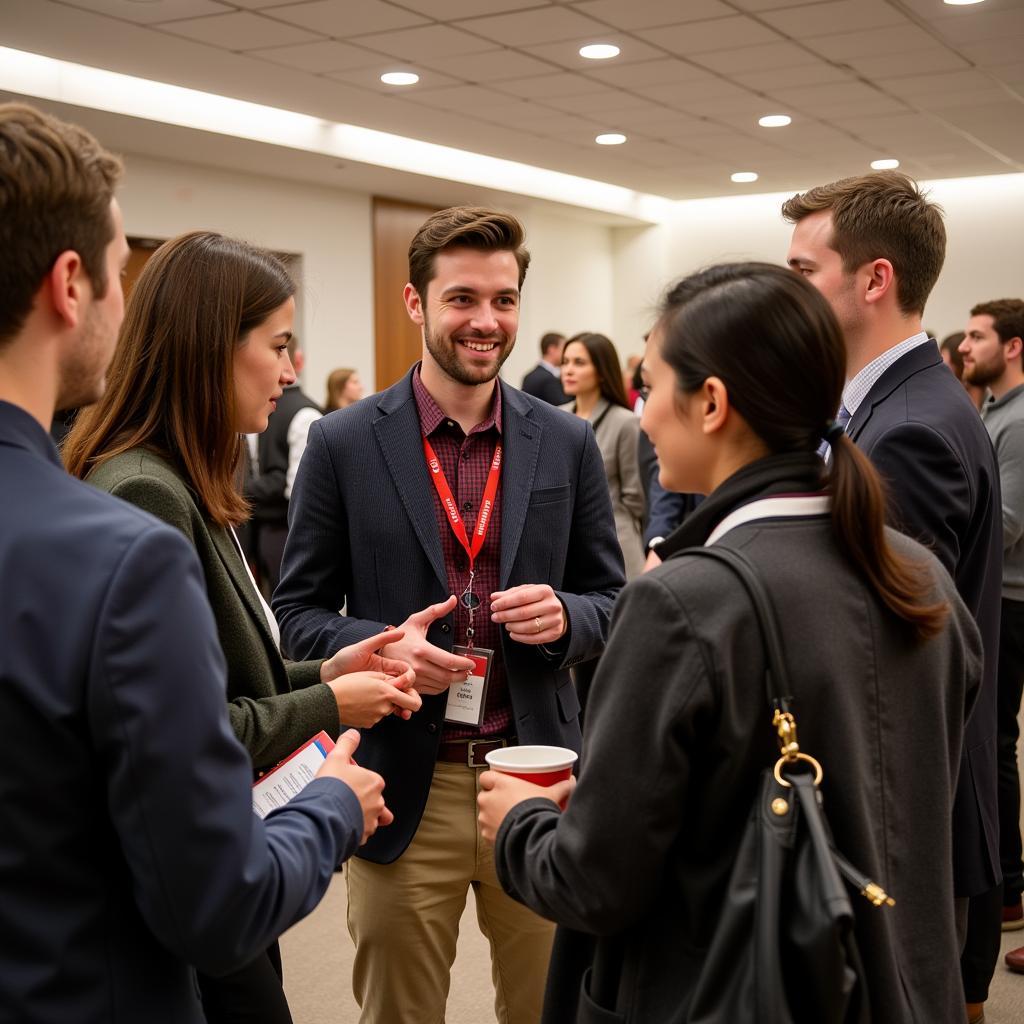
[[274, 706]]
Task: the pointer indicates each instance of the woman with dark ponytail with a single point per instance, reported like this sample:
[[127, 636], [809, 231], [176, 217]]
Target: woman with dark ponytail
[[746, 367]]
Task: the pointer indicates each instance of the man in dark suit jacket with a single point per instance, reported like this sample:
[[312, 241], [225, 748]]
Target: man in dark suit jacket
[[278, 452], [874, 246], [127, 838], [369, 530], [545, 379]]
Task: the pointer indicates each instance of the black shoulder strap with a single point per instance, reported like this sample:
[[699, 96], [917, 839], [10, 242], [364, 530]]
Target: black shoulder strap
[[776, 677]]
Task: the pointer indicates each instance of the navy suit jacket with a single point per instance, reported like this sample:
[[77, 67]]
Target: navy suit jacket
[[128, 846], [925, 437], [544, 384], [363, 534]]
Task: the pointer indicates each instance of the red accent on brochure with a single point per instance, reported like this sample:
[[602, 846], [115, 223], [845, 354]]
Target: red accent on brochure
[[291, 776]]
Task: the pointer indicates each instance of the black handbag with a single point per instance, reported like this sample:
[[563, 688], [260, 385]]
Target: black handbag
[[784, 951]]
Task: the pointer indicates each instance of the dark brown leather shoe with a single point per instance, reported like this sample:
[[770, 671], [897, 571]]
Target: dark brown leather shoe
[[1015, 960]]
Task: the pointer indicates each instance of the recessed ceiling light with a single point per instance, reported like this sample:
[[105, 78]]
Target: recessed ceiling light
[[884, 165], [775, 121], [610, 139], [742, 177], [963, 3], [599, 51], [399, 78]]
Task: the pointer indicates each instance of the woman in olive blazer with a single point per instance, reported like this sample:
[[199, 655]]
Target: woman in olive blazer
[[274, 707], [202, 358]]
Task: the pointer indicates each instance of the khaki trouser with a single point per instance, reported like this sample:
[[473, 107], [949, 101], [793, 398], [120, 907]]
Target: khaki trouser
[[404, 918]]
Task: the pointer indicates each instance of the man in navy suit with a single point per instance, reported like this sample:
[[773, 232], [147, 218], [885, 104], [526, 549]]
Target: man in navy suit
[[545, 379], [874, 247], [128, 845], [478, 518]]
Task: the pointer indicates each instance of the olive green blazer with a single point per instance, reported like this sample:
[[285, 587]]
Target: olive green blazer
[[274, 706]]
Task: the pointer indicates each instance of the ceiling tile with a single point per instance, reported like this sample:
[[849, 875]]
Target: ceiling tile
[[650, 13], [659, 154], [566, 53], [342, 18], [829, 18], [369, 78], [318, 57], [644, 115], [808, 102], [542, 25], [756, 58], [238, 31], [983, 26], [896, 40], [992, 96], [145, 14], [472, 98], [749, 107], [668, 70], [913, 62], [682, 126], [709, 87], [593, 103], [425, 41], [1012, 74], [915, 86], [993, 51], [704, 36], [783, 78], [491, 66], [561, 83], [770, 5], [544, 121], [254, 5], [892, 130], [448, 10]]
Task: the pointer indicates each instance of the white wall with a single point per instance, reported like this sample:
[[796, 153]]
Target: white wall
[[329, 228], [568, 287], [984, 224]]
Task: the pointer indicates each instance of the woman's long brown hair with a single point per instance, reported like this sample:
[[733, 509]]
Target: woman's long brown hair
[[170, 387]]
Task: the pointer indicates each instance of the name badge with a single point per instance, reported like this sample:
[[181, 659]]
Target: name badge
[[466, 698]]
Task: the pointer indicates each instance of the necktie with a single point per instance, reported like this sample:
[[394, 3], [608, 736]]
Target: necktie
[[842, 419]]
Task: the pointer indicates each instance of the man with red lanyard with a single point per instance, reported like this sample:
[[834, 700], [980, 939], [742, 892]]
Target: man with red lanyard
[[477, 519]]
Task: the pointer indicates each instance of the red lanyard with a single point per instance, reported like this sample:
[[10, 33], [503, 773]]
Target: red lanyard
[[483, 520]]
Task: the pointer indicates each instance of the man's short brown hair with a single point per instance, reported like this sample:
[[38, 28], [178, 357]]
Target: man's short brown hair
[[1007, 317], [882, 216], [551, 340], [464, 227], [56, 184]]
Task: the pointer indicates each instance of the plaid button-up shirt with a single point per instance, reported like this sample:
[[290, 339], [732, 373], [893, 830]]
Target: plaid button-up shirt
[[466, 460]]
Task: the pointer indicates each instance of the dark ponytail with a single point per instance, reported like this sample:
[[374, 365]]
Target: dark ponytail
[[775, 343]]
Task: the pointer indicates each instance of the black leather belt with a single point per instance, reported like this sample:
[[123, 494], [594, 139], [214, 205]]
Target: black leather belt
[[471, 752]]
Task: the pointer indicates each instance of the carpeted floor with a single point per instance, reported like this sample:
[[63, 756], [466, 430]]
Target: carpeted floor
[[318, 963]]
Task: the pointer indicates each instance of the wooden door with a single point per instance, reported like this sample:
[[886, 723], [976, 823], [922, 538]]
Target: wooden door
[[398, 342]]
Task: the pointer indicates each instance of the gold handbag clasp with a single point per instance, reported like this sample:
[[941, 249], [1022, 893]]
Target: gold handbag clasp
[[785, 724]]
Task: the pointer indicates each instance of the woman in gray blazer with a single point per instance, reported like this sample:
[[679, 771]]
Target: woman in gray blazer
[[747, 366], [202, 358], [591, 375]]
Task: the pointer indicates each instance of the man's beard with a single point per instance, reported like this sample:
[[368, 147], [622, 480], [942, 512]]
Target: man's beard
[[83, 374], [983, 374], [445, 352]]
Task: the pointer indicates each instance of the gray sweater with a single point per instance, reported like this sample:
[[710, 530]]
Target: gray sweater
[[1004, 418]]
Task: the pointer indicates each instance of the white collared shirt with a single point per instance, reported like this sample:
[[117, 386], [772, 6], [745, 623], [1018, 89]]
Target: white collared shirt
[[856, 390]]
